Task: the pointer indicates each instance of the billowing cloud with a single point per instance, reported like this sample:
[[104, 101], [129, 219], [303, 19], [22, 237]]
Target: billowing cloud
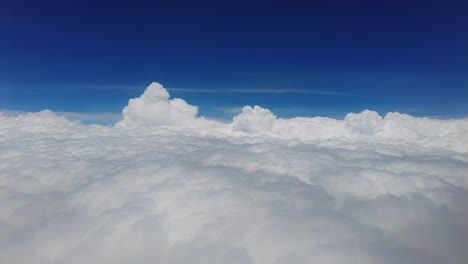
[[166, 186], [154, 107], [367, 126]]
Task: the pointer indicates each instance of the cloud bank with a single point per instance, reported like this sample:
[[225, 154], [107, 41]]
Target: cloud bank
[[166, 186]]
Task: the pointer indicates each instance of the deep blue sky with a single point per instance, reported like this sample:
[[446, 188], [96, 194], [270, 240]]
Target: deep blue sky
[[310, 58]]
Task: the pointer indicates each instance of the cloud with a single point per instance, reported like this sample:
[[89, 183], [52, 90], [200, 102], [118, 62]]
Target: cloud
[[214, 90], [104, 118], [232, 110], [393, 128], [154, 107], [165, 185], [111, 87], [260, 91]]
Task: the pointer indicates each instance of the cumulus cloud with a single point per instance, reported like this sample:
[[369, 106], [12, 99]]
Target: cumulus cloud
[[154, 107], [394, 128], [166, 186], [104, 118]]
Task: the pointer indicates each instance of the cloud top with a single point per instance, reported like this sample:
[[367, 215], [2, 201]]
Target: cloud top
[[154, 108], [166, 186]]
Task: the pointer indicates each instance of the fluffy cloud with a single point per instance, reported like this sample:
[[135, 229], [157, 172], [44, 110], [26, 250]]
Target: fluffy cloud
[[367, 126], [154, 108], [166, 186]]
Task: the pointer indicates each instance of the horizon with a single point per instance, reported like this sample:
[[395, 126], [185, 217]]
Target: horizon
[[226, 114]]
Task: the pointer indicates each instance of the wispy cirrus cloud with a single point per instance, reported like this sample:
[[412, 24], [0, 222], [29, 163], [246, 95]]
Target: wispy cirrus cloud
[[257, 90], [218, 90], [110, 86]]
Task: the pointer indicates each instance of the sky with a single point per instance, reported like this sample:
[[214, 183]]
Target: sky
[[310, 58]]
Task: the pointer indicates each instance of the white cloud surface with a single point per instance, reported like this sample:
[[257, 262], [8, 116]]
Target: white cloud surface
[[103, 118], [166, 186]]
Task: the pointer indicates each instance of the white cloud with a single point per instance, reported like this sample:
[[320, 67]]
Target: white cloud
[[214, 90], [154, 107], [93, 118], [368, 126], [105, 118], [260, 91], [167, 186]]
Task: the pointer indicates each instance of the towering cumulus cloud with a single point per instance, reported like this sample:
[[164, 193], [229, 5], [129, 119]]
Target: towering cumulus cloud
[[166, 186], [153, 107]]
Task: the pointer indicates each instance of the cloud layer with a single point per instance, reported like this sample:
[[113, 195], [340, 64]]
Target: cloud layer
[[166, 186]]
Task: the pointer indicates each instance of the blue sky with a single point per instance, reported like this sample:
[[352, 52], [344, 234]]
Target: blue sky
[[310, 58]]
